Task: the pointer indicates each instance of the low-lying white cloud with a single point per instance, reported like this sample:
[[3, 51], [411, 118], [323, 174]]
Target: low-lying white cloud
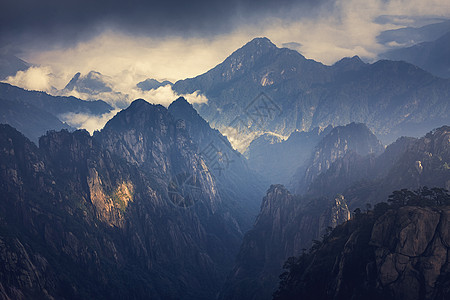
[[164, 95], [87, 121], [124, 94], [34, 78]]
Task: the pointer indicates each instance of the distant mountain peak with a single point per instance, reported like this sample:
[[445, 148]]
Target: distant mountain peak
[[94, 75], [141, 105], [277, 189], [257, 46], [92, 83], [182, 109], [151, 84], [138, 103], [181, 101], [139, 114], [261, 42], [356, 134], [349, 63], [70, 86]]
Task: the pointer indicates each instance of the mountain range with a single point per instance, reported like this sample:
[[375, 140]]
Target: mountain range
[[410, 35], [151, 84], [288, 163], [431, 56], [34, 113], [261, 88], [10, 65]]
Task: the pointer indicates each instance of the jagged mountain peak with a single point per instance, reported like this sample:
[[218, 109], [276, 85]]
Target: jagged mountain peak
[[140, 115], [354, 138], [359, 133], [277, 196], [256, 47], [277, 189], [197, 127], [181, 102], [349, 63], [259, 47], [151, 84], [261, 42], [71, 85], [92, 83], [444, 130], [182, 109], [141, 105], [258, 53]]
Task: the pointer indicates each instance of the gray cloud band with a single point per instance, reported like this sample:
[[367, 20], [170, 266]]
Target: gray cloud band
[[25, 22]]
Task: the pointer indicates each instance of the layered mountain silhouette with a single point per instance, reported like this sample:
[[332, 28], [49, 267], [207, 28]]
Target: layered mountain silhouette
[[11, 64], [407, 163], [431, 56], [151, 84], [93, 86], [34, 113], [392, 98], [410, 36], [93, 83], [30, 120], [286, 226], [53, 104]]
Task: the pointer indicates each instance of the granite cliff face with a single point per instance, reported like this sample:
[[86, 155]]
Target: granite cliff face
[[133, 211], [34, 113], [286, 226], [411, 252], [402, 254]]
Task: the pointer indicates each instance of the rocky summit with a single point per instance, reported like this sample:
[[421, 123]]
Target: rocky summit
[[114, 215]]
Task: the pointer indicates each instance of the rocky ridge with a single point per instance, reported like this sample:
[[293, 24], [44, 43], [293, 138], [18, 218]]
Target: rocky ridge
[[114, 215]]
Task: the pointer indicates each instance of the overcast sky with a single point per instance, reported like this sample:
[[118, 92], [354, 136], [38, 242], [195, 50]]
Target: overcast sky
[[135, 39]]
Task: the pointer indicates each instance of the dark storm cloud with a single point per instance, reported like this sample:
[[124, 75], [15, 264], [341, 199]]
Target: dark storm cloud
[[55, 21]]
